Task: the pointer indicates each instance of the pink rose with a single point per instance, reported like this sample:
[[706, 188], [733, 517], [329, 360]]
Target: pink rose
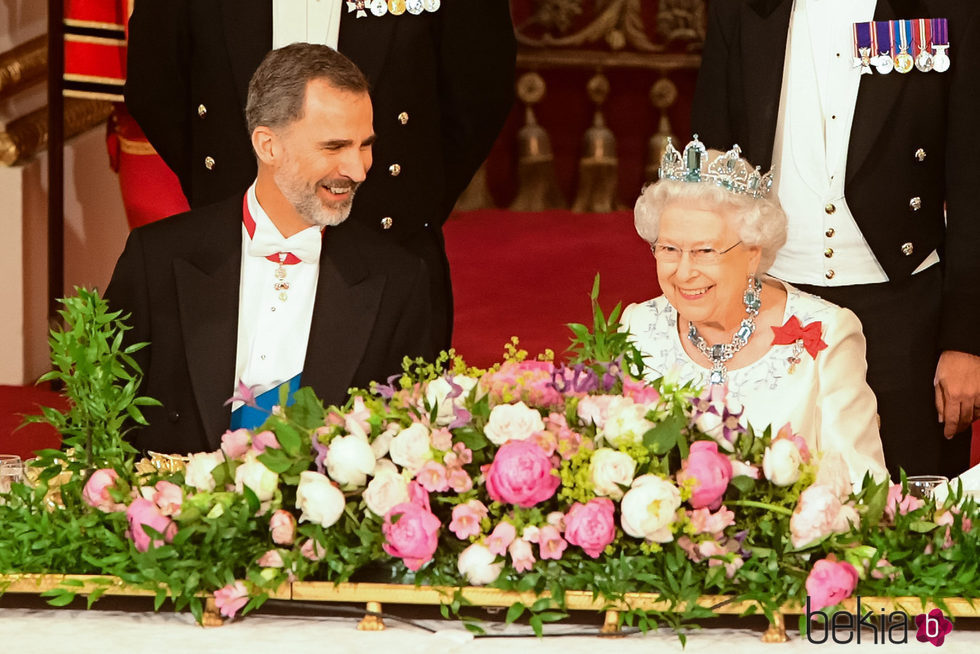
[[521, 555], [312, 550], [96, 491], [501, 538], [433, 477], [901, 504], [282, 525], [231, 599], [263, 440], [144, 512], [413, 537], [168, 497], [271, 559], [705, 522], [522, 474], [591, 526], [235, 443], [466, 519], [830, 582], [712, 471], [818, 514], [550, 543]]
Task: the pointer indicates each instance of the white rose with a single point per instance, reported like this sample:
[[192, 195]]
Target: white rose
[[197, 472], [649, 508], [318, 499], [381, 444], [834, 474], [625, 422], [255, 475], [350, 460], [386, 490], [781, 462], [609, 470], [411, 448], [512, 422], [437, 394], [476, 563]]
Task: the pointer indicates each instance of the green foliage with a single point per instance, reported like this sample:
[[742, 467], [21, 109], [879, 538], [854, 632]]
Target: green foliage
[[606, 341]]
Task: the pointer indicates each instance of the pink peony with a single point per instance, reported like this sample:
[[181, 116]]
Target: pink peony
[[830, 582], [818, 514], [144, 512], [433, 477], [639, 392], [466, 519], [705, 522], [265, 440], [522, 474], [591, 526], [235, 443], [712, 471], [550, 543], [282, 525], [901, 504], [521, 555], [168, 497], [96, 491], [231, 599], [411, 534], [501, 538], [418, 495]]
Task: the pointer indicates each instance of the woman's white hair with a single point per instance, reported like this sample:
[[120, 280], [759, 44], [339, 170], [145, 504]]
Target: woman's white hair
[[758, 222]]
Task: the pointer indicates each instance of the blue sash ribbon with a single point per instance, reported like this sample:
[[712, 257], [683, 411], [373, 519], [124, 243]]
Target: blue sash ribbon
[[252, 417]]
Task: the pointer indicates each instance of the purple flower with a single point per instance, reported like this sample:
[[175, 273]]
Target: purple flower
[[245, 394]]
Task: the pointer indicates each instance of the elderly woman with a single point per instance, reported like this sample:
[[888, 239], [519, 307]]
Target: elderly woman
[[785, 355]]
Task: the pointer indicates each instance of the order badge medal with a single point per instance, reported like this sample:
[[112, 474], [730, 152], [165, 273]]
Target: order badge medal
[[940, 43], [862, 46], [358, 6], [379, 8], [923, 43], [396, 7], [431, 5], [903, 60], [415, 7]]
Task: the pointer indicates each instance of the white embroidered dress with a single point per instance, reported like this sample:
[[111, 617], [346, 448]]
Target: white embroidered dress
[[826, 399]]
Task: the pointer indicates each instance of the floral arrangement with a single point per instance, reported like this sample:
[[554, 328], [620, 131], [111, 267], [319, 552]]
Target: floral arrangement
[[531, 476]]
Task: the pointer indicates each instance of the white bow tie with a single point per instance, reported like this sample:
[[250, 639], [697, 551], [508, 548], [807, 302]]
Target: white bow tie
[[305, 244]]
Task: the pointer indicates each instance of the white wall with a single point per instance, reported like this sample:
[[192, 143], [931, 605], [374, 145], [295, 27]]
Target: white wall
[[95, 224]]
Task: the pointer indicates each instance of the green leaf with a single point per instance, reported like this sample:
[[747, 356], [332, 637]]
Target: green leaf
[[664, 436], [515, 611]]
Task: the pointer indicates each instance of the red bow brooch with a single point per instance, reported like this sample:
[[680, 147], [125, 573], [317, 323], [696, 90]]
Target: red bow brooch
[[793, 332]]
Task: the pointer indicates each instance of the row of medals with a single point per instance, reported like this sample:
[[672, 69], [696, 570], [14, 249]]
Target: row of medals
[[396, 7], [904, 62]]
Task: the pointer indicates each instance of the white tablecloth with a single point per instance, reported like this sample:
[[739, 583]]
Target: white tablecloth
[[42, 630]]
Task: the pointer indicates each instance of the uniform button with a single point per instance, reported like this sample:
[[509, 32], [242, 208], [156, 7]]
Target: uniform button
[[830, 232], [915, 203], [209, 163], [907, 249], [829, 208], [829, 274], [202, 111], [173, 415], [394, 170], [920, 155], [403, 118], [387, 222], [829, 252]]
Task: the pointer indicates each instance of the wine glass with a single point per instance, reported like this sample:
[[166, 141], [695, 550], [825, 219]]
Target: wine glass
[[923, 486]]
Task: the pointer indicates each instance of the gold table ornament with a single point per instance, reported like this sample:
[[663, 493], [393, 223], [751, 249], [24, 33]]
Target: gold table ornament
[[373, 595]]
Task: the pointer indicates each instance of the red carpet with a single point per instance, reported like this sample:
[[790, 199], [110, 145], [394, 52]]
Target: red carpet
[[528, 274]]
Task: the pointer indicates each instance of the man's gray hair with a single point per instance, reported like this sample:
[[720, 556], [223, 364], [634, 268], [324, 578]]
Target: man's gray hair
[[759, 222], [277, 91]]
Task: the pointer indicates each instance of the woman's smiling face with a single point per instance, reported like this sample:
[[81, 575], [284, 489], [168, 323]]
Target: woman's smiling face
[[707, 294]]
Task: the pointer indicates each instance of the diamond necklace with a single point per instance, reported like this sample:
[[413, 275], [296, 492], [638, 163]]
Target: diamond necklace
[[719, 354]]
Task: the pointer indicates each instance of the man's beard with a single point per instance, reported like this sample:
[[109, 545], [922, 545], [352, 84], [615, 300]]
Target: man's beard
[[309, 205]]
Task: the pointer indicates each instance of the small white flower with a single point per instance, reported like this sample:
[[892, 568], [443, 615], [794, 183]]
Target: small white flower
[[649, 508], [610, 470], [477, 564], [318, 499], [781, 462], [350, 460], [512, 422], [625, 422], [256, 476], [387, 490], [411, 447], [197, 472]]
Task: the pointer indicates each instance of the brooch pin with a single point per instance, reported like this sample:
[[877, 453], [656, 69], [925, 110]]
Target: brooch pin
[[801, 338]]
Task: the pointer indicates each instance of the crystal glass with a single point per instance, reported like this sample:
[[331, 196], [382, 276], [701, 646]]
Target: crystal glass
[[11, 470], [923, 486]]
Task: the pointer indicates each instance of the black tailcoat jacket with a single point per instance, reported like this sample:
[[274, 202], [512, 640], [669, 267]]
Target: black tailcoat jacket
[[179, 279], [896, 115], [441, 86]]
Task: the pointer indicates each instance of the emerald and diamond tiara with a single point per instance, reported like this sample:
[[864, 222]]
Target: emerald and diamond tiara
[[728, 170]]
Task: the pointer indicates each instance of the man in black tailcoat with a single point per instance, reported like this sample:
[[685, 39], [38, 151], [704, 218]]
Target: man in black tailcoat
[[877, 170]]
